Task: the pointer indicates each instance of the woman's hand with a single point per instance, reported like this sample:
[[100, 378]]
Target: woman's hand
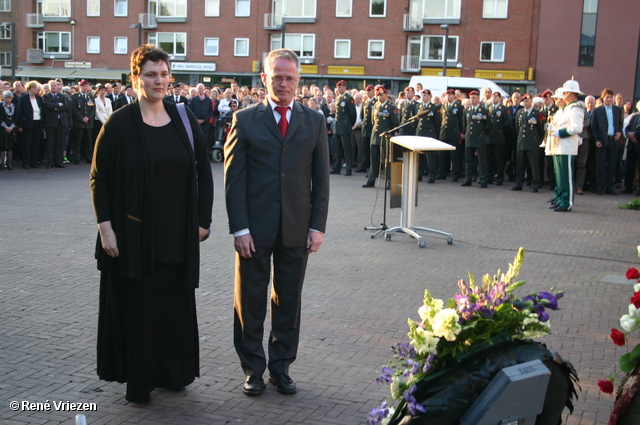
[[202, 233], [108, 238]]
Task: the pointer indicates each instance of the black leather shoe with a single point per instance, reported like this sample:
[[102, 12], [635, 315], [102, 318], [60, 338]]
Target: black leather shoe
[[483, 185], [534, 189], [553, 206], [283, 384], [431, 180], [76, 161], [611, 192], [88, 161], [552, 200], [348, 173], [361, 170], [368, 185], [334, 172], [466, 184], [49, 165], [26, 167], [455, 179], [498, 183], [516, 187], [253, 385], [627, 191], [59, 166], [561, 209]]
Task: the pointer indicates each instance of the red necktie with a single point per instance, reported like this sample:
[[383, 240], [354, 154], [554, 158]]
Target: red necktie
[[283, 124]]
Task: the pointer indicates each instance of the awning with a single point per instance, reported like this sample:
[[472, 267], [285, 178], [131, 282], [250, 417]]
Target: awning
[[72, 73]]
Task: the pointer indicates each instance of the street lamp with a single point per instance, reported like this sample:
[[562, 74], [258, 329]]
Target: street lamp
[[11, 26], [139, 26], [446, 45]]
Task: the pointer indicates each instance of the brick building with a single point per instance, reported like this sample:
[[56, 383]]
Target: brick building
[[215, 41]]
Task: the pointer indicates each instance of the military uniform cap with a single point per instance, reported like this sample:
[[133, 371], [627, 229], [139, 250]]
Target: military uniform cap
[[547, 93], [341, 83], [526, 96], [474, 93], [369, 87], [451, 91]]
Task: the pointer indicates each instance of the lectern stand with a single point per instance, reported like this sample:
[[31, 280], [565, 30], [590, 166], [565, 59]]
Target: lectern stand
[[414, 145]]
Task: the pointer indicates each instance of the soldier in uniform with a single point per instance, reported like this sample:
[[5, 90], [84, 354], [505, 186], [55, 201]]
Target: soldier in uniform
[[548, 110], [83, 111], [450, 132], [408, 111], [385, 117], [500, 122], [367, 126], [530, 124], [345, 119], [478, 125], [429, 126]]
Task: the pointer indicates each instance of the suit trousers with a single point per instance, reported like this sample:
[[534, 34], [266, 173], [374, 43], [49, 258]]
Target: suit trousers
[[31, 144], [563, 166], [482, 164], [366, 153], [453, 158], [532, 157], [495, 162], [581, 164], [356, 146], [55, 143], [606, 166], [82, 143], [250, 308], [342, 143], [633, 164]]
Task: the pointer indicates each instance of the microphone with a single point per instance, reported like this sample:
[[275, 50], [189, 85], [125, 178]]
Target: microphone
[[419, 115]]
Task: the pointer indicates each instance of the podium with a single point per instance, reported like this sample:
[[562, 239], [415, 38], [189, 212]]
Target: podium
[[413, 146]]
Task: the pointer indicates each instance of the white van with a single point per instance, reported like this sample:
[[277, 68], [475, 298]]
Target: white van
[[439, 85]]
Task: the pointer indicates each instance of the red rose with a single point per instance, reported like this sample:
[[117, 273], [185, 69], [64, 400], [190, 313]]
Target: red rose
[[635, 300], [617, 337], [606, 386], [632, 273]]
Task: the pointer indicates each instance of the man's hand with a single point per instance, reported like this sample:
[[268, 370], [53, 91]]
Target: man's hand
[[617, 136], [244, 245], [202, 233], [108, 239], [314, 240], [200, 121], [598, 145], [85, 120]]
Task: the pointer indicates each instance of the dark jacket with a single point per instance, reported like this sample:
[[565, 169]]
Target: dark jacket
[[24, 111], [57, 109], [530, 129], [345, 114], [478, 126], [121, 185], [500, 123], [202, 109], [429, 125], [80, 108], [452, 122], [600, 124]]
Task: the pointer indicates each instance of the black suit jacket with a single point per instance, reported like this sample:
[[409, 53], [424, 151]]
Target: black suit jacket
[[57, 110], [600, 124], [80, 108], [122, 101], [271, 183], [181, 99], [24, 111]]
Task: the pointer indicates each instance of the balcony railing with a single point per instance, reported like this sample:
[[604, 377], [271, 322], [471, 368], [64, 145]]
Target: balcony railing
[[148, 20], [272, 21], [410, 64], [34, 20], [412, 23]]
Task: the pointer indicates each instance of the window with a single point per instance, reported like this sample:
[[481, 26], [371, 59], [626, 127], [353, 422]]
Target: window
[[302, 44], [93, 45], [211, 46], [5, 5], [120, 45], [120, 7], [93, 7], [344, 8], [5, 59], [56, 42], [491, 51], [433, 48], [495, 9], [378, 9], [56, 8], [294, 8], [168, 8], [243, 8], [5, 33], [588, 33], [440, 9], [342, 49], [174, 43], [376, 49], [240, 47], [212, 8]]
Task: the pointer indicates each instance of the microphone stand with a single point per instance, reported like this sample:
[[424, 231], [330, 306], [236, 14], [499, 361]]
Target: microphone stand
[[387, 173]]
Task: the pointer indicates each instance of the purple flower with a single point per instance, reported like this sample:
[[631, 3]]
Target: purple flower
[[412, 405], [427, 363], [386, 377], [543, 316], [414, 366], [549, 300], [406, 350], [377, 414]]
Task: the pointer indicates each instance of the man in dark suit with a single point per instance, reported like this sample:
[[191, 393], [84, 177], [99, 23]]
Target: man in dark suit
[[125, 98], [277, 198], [477, 121], [429, 126], [530, 124], [450, 132], [175, 96], [345, 119], [202, 108], [606, 125], [83, 111], [500, 124], [367, 126], [56, 123]]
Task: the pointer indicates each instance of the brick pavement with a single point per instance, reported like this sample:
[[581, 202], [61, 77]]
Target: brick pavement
[[359, 292]]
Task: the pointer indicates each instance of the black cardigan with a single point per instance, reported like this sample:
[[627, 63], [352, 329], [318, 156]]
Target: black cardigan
[[121, 184]]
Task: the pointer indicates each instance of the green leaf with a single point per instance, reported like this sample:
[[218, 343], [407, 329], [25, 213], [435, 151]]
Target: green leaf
[[515, 286], [626, 365], [635, 355]]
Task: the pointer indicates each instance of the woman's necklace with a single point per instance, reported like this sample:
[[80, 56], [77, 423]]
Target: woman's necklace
[[153, 120]]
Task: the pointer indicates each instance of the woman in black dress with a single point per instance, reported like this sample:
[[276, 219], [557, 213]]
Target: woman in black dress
[[8, 135], [152, 193], [29, 119]]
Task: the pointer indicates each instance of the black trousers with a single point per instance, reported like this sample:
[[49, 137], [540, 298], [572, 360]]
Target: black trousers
[[606, 158], [342, 150], [532, 157], [482, 164], [633, 162], [55, 143], [366, 153], [452, 157], [82, 143], [495, 162], [31, 138], [250, 308]]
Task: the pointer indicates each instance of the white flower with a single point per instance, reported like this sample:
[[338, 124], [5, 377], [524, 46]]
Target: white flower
[[633, 311], [424, 342], [533, 318], [445, 324], [426, 312], [386, 420], [636, 287], [395, 386], [638, 254], [627, 322]]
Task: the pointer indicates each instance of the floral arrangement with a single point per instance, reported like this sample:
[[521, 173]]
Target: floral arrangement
[[475, 316], [629, 323]]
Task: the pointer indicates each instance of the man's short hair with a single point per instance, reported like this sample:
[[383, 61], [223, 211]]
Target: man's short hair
[[605, 92], [281, 54]]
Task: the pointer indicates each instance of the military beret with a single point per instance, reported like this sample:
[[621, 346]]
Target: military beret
[[380, 88], [547, 93], [83, 82], [341, 83], [233, 102], [474, 93], [409, 89], [369, 87], [526, 96], [426, 91], [451, 91]]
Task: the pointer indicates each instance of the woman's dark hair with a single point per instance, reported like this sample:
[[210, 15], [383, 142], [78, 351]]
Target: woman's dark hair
[[147, 52]]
